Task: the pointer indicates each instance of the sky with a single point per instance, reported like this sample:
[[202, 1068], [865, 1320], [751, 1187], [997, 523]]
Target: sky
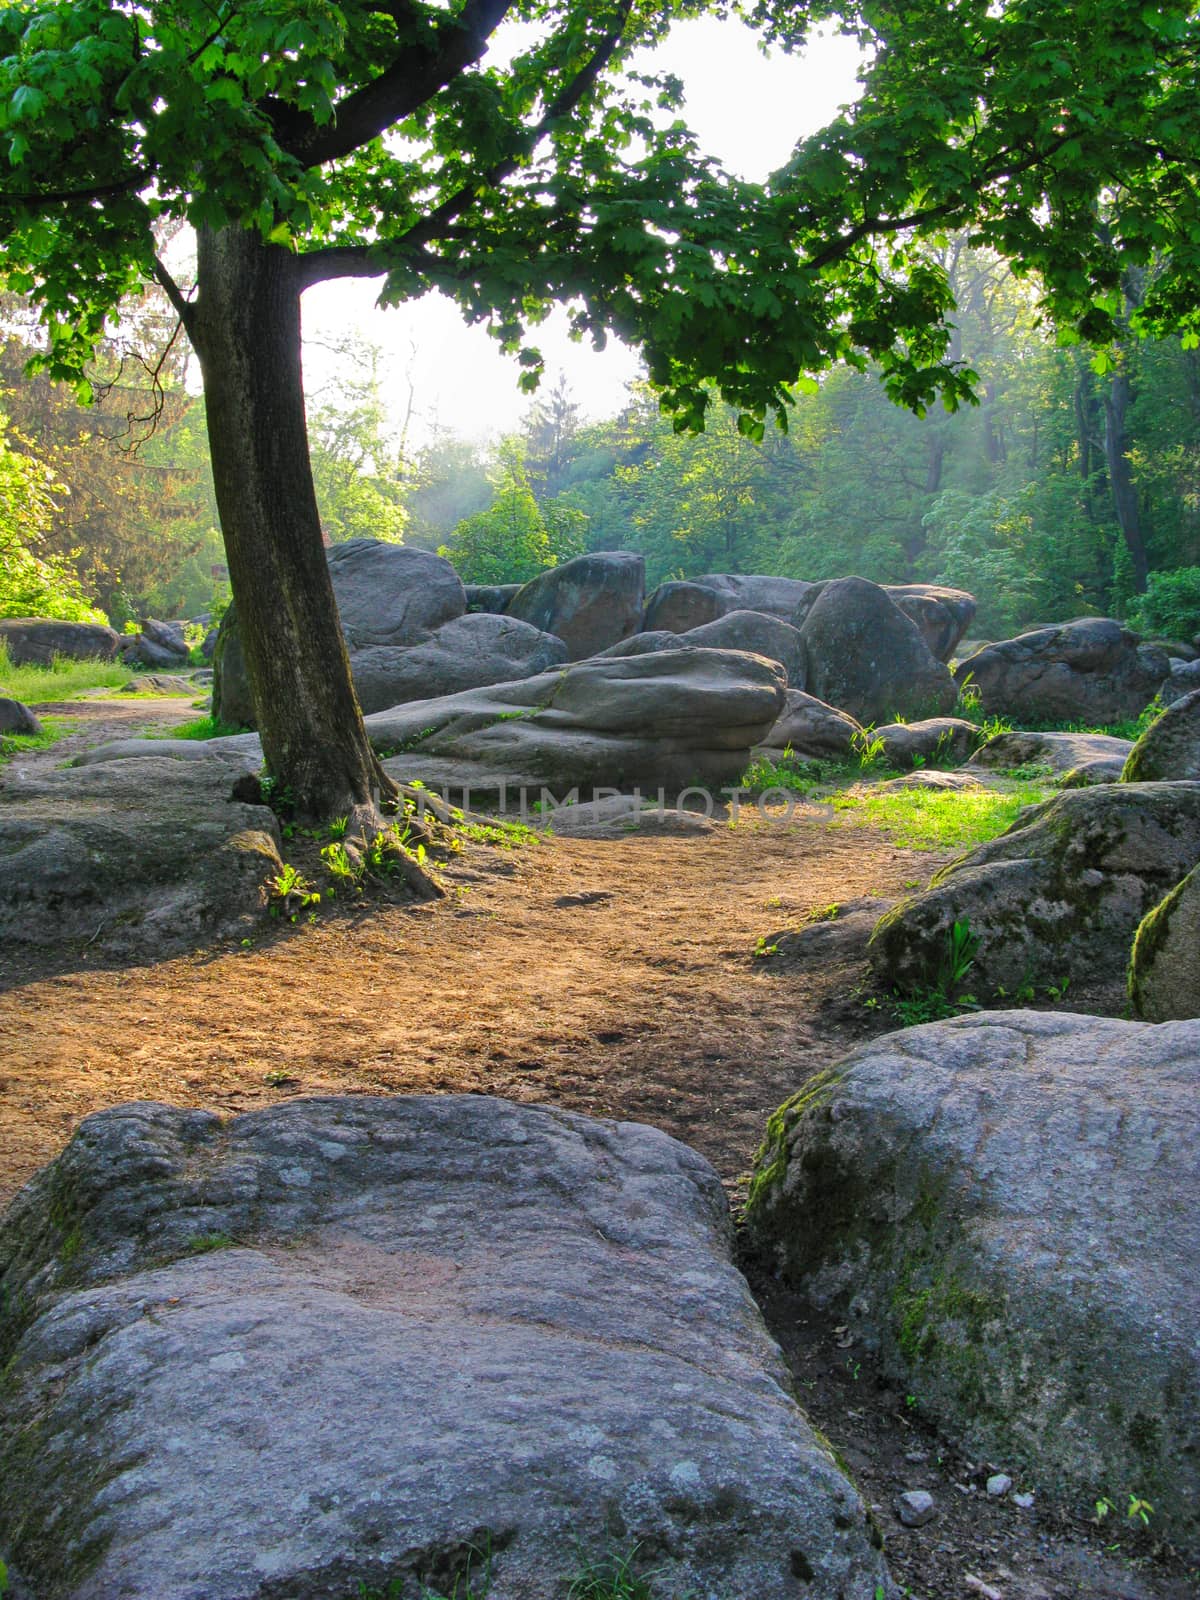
[[748, 110]]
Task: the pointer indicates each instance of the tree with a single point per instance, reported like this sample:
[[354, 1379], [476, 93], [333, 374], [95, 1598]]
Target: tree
[[515, 538], [33, 581], [557, 174]]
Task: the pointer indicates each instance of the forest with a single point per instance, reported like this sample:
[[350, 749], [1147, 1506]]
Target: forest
[[1072, 488]]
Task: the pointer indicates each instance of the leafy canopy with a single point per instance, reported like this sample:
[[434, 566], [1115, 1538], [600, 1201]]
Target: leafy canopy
[[381, 137]]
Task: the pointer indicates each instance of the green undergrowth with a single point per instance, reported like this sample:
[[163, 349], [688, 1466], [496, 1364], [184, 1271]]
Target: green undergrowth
[[53, 729], [613, 1578], [61, 680], [206, 727], [936, 819]]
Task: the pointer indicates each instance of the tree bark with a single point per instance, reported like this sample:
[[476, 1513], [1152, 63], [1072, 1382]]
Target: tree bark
[[1120, 475], [245, 325]]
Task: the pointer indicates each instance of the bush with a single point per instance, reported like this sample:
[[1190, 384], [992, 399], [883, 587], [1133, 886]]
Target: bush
[[1170, 608]]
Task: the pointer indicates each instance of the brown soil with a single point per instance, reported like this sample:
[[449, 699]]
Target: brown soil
[[616, 978]]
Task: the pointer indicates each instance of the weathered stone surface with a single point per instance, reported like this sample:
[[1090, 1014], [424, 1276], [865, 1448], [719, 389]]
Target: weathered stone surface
[[345, 1341], [1007, 1207], [1057, 896], [1184, 678], [1093, 670], [1094, 757], [35, 641], [811, 728], [753, 631], [948, 739], [468, 652], [931, 778], [943, 615], [836, 933], [142, 856], [164, 683], [168, 635], [493, 597], [242, 750], [622, 815], [407, 636], [17, 718], [675, 607], [673, 718], [788, 599], [866, 657], [589, 602], [1164, 968], [1170, 746]]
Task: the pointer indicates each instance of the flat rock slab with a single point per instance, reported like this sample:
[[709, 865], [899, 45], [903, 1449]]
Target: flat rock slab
[[1007, 1207], [1098, 757], [354, 1340], [145, 856]]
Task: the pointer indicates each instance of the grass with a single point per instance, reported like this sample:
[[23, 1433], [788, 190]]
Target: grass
[[922, 819], [61, 680], [53, 729], [207, 727]]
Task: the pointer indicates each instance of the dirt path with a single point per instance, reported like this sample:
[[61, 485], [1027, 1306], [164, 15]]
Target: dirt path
[[617, 978]]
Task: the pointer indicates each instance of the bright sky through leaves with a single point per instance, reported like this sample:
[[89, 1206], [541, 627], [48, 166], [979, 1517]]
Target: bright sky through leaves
[[748, 110]]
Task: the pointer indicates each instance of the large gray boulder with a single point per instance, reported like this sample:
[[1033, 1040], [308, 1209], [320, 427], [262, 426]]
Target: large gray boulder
[[755, 631], [589, 602], [809, 727], [351, 1342], [1170, 746], [866, 657], [943, 615], [677, 606], [1164, 967], [402, 614], [1092, 670], [1085, 757], [493, 597], [35, 641], [1007, 1208], [1057, 896], [145, 856], [466, 653], [673, 719], [1184, 678]]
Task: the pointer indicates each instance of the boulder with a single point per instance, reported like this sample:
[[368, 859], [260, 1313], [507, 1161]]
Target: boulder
[[1086, 757], [1092, 670], [1177, 649], [908, 744], [407, 636], [1170, 746], [1057, 896], [1164, 968], [1184, 678], [753, 631], [676, 607], [17, 718], [35, 641], [811, 728], [621, 815], [418, 1345], [142, 650], [145, 856], [466, 653], [943, 615], [866, 657], [493, 597], [672, 718], [169, 635], [162, 683], [1006, 1208], [788, 599], [589, 602]]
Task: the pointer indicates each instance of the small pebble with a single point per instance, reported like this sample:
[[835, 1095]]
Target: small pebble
[[1025, 1501], [914, 1508], [998, 1485], [917, 1457]]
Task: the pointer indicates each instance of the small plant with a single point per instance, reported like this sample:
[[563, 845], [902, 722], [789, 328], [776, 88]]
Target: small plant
[[1139, 1510], [204, 1243], [762, 949], [341, 865], [277, 1077], [961, 946], [337, 828], [611, 1579], [868, 747], [291, 892]]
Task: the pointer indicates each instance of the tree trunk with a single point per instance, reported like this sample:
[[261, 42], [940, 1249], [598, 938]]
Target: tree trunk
[[1120, 474], [246, 330]]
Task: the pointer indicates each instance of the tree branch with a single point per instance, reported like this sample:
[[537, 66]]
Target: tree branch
[[416, 74], [102, 191], [184, 309]]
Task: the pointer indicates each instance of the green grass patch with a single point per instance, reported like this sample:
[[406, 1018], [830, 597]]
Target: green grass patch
[[53, 729], [925, 819], [208, 727], [61, 680]]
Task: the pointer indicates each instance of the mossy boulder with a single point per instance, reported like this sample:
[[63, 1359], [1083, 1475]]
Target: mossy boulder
[[1006, 1208], [1170, 746], [341, 1344], [867, 657], [1058, 896], [1164, 967]]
